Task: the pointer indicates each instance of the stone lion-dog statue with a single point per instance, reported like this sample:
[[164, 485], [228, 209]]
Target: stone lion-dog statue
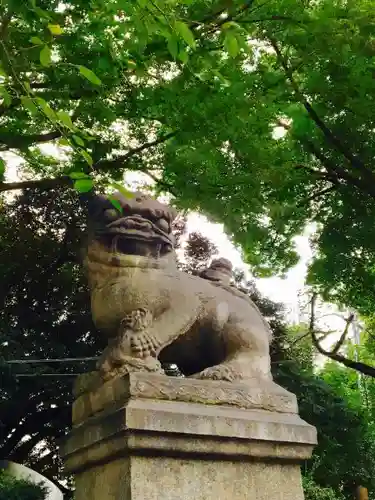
[[153, 313]]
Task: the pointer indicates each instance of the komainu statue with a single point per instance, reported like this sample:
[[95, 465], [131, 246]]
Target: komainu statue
[[152, 313]]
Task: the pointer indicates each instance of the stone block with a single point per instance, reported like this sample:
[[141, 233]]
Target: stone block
[[93, 396], [149, 437]]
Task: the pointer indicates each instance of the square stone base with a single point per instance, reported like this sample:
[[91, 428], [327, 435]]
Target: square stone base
[[165, 478], [127, 447]]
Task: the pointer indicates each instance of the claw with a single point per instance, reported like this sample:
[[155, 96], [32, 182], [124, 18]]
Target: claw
[[220, 372], [142, 344]]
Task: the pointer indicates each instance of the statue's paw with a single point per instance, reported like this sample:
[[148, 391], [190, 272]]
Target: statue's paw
[[143, 345], [137, 320], [128, 365], [219, 372]]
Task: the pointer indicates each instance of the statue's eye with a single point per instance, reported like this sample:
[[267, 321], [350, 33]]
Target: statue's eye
[[111, 214], [163, 225]]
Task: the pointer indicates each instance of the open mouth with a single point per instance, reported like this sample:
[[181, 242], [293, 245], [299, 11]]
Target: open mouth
[[136, 235], [135, 242]]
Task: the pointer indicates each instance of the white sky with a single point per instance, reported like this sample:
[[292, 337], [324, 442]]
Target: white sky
[[277, 289]]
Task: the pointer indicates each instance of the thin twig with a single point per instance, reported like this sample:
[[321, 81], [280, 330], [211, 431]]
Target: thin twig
[[119, 161], [162, 183], [334, 354], [315, 196], [298, 339]]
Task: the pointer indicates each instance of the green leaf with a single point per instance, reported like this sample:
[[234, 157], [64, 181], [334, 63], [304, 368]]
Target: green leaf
[[41, 13], [87, 136], [125, 192], [55, 29], [64, 142], [231, 44], [36, 40], [2, 168], [230, 24], [115, 203], [89, 75], [78, 140], [87, 157], [77, 175], [65, 119], [84, 185], [29, 104], [27, 86], [45, 56], [185, 33], [46, 108], [7, 99], [224, 81], [131, 64], [243, 42], [183, 56], [173, 46]]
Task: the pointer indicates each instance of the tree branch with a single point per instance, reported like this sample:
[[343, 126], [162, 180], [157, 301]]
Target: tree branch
[[65, 252], [354, 365], [313, 332], [334, 173], [316, 195], [161, 183], [272, 18], [41, 184], [4, 25], [100, 166], [73, 95], [328, 134], [334, 354], [120, 161], [214, 15], [21, 141]]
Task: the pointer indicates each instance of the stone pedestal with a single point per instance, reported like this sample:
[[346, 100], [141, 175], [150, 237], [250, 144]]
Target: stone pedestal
[[149, 437]]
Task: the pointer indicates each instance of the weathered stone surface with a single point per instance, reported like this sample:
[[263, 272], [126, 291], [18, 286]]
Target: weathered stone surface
[[94, 396], [147, 446], [173, 426], [215, 480], [151, 311], [177, 479]]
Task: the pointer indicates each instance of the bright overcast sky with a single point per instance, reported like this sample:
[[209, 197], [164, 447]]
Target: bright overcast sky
[[277, 289]]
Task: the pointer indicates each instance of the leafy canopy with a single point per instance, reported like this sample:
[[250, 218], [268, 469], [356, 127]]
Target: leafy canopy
[[189, 92], [19, 489]]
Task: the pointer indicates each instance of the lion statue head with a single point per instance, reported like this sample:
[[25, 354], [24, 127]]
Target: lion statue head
[[134, 225]]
